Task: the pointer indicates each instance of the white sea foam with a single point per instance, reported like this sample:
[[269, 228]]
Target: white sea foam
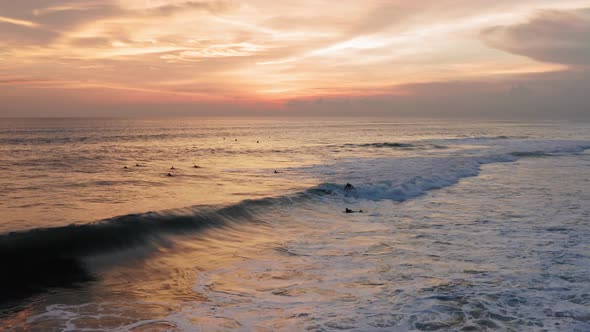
[[401, 178]]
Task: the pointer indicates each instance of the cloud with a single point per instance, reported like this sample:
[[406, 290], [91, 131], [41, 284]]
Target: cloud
[[40, 22], [213, 7], [18, 22], [58, 15], [24, 35], [47, 20], [215, 51], [556, 95], [26, 81], [552, 36]]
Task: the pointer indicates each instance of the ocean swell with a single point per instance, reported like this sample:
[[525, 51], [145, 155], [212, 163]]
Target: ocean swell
[[36, 259]]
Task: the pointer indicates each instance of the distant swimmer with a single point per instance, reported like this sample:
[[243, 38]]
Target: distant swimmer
[[172, 167], [257, 142], [169, 174], [236, 139], [352, 211], [277, 172], [349, 187], [137, 165]]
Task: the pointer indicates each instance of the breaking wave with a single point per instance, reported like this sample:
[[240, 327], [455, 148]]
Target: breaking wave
[[49, 257]]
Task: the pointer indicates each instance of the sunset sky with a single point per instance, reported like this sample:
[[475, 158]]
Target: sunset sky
[[373, 57]]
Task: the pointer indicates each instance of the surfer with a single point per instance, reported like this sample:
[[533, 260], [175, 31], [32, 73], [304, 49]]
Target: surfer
[[172, 167], [196, 166], [169, 174], [349, 187], [125, 167], [352, 211]]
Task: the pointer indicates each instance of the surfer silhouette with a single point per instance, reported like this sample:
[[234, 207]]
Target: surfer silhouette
[[349, 187], [352, 211]]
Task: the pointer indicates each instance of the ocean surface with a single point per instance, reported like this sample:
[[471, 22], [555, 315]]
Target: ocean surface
[[205, 224]]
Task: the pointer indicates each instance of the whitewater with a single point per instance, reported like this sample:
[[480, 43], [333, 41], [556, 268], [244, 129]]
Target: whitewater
[[213, 224]]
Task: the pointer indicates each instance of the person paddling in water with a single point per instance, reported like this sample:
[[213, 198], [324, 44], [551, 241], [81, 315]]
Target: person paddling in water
[[352, 211]]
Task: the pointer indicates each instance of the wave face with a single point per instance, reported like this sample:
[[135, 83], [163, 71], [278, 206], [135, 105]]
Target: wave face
[[51, 257]]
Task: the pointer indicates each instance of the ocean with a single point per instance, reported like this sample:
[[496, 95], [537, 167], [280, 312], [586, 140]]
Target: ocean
[[239, 224]]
